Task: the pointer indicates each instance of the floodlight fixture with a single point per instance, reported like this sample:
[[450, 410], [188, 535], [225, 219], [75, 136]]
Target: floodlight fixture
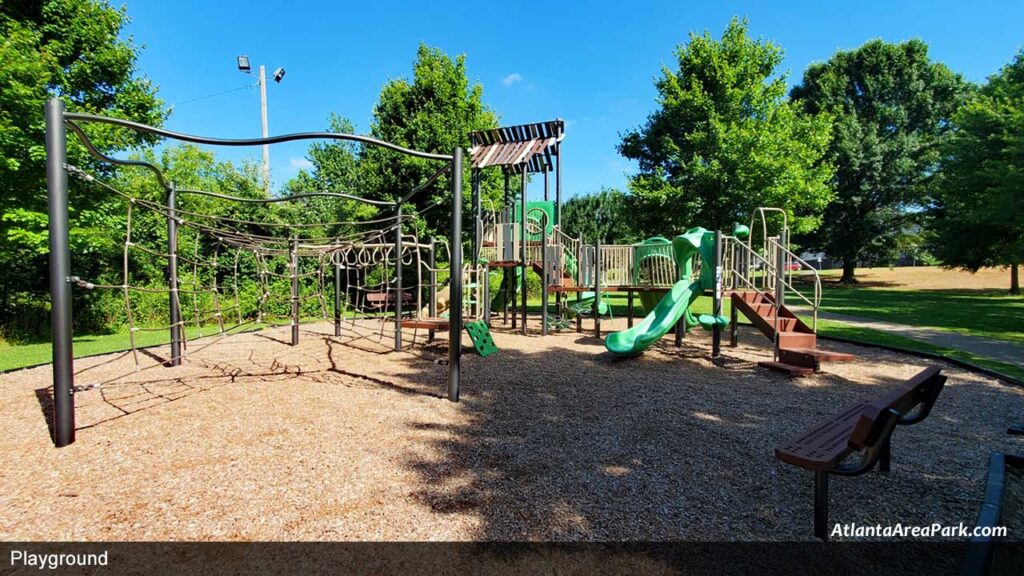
[[243, 64], [278, 75]]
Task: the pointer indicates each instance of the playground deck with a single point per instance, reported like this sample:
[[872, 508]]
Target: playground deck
[[337, 439]]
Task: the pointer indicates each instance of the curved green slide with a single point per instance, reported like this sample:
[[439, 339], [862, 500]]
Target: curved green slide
[[674, 304]]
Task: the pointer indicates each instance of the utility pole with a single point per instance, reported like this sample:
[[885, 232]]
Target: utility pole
[[263, 115]]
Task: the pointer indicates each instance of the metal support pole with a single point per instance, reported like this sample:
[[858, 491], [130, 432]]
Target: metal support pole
[[60, 275], [522, 244], [544, 280], [780, 297], [172, 274], [295, 291], [716, 303], [455, 309], [821, 505], [597, 287], [558, 183], [474, 182], [734, 339], [546, 184], [432, 291], [337, 298], [629, 309], [487, 295], [885, 456], [398, 274]]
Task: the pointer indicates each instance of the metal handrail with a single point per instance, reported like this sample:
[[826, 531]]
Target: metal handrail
[[816, 303]]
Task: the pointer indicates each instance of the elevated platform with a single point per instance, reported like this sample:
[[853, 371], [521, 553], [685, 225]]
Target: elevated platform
[[426, 323], [610, 288]]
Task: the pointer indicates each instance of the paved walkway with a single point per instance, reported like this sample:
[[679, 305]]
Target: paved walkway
[[998, 350]]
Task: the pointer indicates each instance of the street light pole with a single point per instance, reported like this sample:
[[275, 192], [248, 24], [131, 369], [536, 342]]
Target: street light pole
[[263, 115]]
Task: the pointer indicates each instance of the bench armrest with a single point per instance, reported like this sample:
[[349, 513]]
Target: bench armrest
[[885, 423]]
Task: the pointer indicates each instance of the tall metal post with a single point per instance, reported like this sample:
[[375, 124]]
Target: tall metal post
[[506, 281], [432, 292], [60, 275], [558, 208], [295, 291], [432, 289], [716, 302], [172, 274], [522, 243], [337, 297], [487, 295], [544, 277], [597, 287], [546, 183], [455, 309], [558, 183], [474, 182], [398, 275], [263, 118]]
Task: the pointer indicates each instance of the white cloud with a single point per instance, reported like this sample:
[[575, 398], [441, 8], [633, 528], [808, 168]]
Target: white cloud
[[300, 164], [511, 79]]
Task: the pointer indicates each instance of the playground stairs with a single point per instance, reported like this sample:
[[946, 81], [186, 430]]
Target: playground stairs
[[798, 345]]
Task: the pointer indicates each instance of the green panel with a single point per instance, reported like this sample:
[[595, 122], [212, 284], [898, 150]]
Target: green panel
[[533, 210], [481, 337]]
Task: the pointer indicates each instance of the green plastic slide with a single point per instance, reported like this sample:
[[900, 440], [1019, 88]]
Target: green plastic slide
[[672, 306], [658, 323]]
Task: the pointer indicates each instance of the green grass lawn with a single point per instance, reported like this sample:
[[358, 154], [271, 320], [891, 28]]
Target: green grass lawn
[[13, 356], [992, 315], [869, 336]]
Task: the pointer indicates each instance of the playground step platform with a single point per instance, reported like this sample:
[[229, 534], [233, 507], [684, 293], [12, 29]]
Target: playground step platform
[[787, 368], [798, 344]]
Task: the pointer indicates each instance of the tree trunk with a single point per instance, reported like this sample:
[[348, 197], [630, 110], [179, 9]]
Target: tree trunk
[[849, 266], [1014, 279]]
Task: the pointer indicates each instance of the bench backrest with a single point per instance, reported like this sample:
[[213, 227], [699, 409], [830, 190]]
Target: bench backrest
[[921, 390], [386, 297]]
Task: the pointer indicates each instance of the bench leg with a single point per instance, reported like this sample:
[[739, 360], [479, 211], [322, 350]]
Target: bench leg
[[885, 455], [821, 505]]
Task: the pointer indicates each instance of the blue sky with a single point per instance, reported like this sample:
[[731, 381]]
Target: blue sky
[[590, 63]]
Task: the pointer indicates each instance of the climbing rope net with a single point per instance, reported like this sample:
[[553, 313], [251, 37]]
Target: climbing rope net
[[234, 275]]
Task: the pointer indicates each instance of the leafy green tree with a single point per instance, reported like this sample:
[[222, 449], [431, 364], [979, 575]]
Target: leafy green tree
[[435, 112], [336, 168], [724, 140], [891, 106], [978, 215], [602, 215], [71, 49]]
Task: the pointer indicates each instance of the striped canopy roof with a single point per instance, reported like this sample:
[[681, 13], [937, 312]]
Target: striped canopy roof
[[514, 148]]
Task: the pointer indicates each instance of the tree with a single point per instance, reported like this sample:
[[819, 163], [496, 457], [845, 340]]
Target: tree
[[70, 49], [435, 112], [602, 215], [891, 106], [724, 140], [336, 168], [977, 218]]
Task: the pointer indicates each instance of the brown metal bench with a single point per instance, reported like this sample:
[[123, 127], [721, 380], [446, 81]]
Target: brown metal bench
[[380, 300], [865, 427]]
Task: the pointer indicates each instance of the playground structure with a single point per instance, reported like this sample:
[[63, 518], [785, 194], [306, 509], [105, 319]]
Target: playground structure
[[372, 261], [377, 249], [753, 267]]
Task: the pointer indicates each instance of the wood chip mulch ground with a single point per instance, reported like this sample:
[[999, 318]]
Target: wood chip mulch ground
[[554, 439]]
